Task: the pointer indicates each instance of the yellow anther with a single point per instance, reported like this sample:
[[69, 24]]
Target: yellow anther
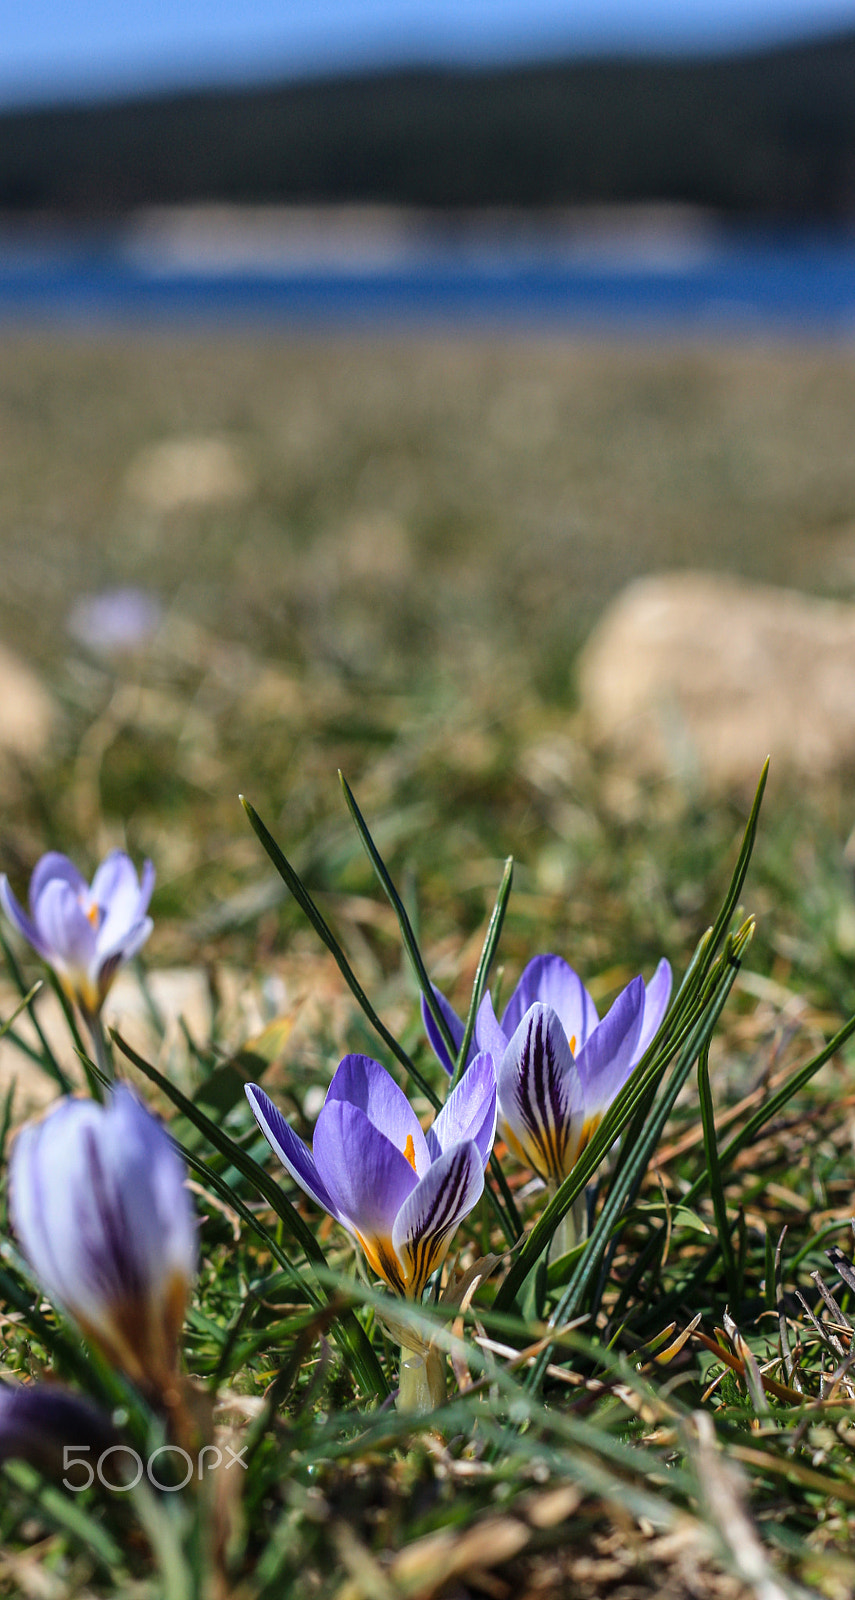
[[410, 1151]]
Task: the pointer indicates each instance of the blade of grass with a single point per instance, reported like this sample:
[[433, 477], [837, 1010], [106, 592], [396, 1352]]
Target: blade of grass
[[491, 940], [775, 1103], [63, 1511], [711, 1149], [47, 1060], [310, 910], [407, 935]]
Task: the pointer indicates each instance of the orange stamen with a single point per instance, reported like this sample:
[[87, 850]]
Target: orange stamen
[[410, 1151], [573, 1044]]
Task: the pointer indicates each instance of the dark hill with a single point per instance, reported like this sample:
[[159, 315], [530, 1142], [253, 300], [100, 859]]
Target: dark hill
[[770, 133]]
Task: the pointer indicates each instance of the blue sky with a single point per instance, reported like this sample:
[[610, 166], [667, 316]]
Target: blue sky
[[81, 49]]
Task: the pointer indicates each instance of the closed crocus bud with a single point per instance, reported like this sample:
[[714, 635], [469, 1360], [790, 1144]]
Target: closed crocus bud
[[49, 1426], [84, 932], [99, 1204]]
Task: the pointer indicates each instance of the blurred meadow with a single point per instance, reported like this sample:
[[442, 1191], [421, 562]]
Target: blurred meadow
[[382, 555]]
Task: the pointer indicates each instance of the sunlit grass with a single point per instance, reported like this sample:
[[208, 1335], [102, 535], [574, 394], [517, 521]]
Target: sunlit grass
[[424, 535]]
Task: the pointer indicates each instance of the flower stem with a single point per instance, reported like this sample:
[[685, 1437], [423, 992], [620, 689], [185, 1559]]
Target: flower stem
[[571, 1229], [422, 1380], [102, 1056]]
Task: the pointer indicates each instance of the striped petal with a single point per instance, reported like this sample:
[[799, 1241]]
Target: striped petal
[[427, 1219], [540, 1097], [469, 1112], [289, 1147]]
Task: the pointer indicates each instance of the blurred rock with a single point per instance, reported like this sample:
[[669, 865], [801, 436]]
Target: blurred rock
[[699, 678], [190, 472], [27, 713]]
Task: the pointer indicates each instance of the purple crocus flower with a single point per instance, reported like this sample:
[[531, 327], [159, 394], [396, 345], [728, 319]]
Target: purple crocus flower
[[84, 932], [98, 1201], [400, 1192], [560, 1068], [39, 1421]]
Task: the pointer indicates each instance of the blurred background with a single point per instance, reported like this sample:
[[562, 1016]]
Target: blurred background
[[355, 358]]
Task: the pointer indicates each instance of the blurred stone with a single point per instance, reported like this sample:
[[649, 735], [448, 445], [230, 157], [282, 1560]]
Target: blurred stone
[[189, 472], [699, 678], [27, 712]]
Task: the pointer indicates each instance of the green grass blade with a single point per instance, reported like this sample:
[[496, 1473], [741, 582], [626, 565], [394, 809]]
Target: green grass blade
[[775, 1103], [714, 1170], [491, 940], [310, 910], [407, 935], [47, 1060]]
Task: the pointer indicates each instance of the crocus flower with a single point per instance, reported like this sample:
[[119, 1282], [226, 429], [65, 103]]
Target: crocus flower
[[40, 1421], [99, 1204], [559, 1068], [84, 933], [400, 1192]]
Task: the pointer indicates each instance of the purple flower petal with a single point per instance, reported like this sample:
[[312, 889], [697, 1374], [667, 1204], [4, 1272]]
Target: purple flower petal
[[367, 1175], [83, 933], [608, 1058], [122, 949], [289, 1147], [551, 982], [469, 1112], [489, 1036], [455, 1027], [540, 1097], [55, 866], [19, 919], [360, 1081], [98, 1201], [38, 1420], [368, 1178], [656, 999], [149, 1180], [427, 1219], [64, 927], [120, 897]]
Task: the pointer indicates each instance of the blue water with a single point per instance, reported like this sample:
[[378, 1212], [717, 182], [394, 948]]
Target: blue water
[[731, 285]]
